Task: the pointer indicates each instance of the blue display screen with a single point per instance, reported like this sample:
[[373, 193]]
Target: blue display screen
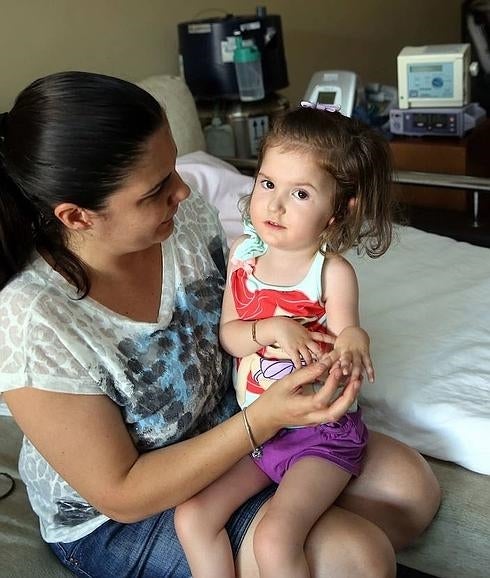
[[433, 80]]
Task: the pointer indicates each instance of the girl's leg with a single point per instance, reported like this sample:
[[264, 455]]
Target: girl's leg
[[307, 489], [200, 522], [389, 505], [397, 490], [340, 544]]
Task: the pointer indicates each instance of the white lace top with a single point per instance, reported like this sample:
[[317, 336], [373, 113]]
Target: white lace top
[[170, 378]]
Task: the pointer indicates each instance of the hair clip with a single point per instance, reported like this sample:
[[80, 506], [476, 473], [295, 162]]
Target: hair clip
[[320, 106]]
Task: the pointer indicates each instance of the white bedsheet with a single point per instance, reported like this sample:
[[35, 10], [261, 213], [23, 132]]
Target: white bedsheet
[[426, 306]]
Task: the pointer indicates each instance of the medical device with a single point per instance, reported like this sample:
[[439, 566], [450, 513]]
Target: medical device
[[334, 87], [207, 50], [454, 121], [434, 76]]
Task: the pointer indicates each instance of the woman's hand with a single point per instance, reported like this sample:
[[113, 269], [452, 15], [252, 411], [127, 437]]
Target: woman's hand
[[284, 403]]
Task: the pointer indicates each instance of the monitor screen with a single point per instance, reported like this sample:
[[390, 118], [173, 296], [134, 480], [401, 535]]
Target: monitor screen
[[326, 97]]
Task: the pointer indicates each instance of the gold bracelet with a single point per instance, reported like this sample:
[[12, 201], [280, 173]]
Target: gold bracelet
[[254, 333], [256, 449]]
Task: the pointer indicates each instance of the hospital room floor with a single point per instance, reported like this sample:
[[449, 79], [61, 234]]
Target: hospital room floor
[[404, 572]]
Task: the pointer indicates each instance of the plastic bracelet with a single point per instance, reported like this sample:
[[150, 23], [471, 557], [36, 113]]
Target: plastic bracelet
[[256, 449]]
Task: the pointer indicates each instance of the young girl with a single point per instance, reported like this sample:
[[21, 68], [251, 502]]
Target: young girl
[[323, 186]]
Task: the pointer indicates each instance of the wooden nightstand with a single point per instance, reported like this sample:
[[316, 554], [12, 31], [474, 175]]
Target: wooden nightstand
[[439, 210]]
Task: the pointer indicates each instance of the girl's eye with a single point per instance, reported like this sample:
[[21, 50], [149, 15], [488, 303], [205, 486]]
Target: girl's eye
[[300, 194], [266, 184]]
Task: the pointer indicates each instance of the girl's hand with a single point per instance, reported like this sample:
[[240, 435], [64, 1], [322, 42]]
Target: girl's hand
[[284, 403], [296, 341], [351, 350]]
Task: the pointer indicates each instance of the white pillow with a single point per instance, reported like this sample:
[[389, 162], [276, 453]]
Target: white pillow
[[426, 306], [175, 97], [220, 183]]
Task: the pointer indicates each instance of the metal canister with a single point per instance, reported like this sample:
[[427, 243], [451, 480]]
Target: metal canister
[[249, 121]]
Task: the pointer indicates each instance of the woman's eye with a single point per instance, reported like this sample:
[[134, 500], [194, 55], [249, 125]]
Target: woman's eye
[[159, 192], [156, 195], [266, 184], [300, 194]]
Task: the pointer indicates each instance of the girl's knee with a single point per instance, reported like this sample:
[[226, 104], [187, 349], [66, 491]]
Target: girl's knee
[[270, 544], [188, 516]]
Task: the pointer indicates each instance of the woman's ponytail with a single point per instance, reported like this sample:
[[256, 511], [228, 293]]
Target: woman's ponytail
[[17, 216]]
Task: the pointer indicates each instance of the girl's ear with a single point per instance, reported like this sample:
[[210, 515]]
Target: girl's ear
[[73, 216], [351, 205]]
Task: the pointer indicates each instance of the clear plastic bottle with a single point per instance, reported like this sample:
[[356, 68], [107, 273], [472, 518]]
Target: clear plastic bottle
[[220, 140], [248, 68]]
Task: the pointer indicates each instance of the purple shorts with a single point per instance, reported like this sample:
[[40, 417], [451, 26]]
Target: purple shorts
[[341, 442]]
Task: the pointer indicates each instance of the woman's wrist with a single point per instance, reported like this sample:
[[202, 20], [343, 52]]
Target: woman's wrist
[[261, 424], [256, 449]]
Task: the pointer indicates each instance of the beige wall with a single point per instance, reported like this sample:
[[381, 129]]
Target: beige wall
[[136, 38]]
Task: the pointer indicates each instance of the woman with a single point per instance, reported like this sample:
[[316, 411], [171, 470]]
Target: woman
[[111, 280]]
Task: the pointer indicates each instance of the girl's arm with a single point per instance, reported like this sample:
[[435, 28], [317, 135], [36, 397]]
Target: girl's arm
[[342, 306], [86, 441], [235, 335]]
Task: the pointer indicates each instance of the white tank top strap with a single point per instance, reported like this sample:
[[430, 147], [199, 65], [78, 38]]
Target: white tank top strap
[[312, 282]]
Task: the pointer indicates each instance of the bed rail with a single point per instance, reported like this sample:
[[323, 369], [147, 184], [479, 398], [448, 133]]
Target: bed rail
[[476, 184]]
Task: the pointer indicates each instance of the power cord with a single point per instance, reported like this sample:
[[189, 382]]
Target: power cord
[[11, 483]]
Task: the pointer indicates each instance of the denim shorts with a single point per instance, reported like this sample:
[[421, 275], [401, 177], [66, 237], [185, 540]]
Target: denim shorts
[[146, 549]]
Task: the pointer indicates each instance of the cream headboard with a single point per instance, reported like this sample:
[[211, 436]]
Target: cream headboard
[[176, 98]]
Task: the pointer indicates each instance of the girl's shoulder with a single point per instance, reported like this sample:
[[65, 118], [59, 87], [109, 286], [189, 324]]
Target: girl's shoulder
[[237, 242], [337, 268], [336, 261], [241, 256]]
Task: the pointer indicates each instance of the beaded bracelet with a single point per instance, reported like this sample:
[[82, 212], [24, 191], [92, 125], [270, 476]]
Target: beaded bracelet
[[256, 449]]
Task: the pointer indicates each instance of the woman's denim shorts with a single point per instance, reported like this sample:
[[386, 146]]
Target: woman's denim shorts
[[146, 549]]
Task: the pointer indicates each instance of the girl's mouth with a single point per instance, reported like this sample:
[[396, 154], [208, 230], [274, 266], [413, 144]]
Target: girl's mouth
[[274, 224]]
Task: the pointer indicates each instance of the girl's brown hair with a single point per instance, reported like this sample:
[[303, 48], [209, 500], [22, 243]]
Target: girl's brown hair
[[358, 158]]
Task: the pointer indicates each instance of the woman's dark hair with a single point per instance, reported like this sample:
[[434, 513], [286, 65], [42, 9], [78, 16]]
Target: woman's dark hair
[[70, 137], [358, 158]]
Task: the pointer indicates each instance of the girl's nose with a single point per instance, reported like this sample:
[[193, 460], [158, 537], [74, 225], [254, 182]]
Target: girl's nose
[[275, 203]]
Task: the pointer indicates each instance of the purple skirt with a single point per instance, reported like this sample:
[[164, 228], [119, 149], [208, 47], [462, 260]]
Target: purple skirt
[[341, 442]]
